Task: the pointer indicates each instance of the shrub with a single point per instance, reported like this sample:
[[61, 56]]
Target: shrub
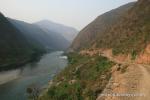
[[65, 91], [133, 55]]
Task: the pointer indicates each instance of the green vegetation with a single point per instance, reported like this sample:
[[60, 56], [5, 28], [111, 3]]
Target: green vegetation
[[133, 55], [33, 92], [64, 91], [84, 78]]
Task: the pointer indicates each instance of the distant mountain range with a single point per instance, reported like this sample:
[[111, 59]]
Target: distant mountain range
[[39, 36], [21, 42], [68, 32]]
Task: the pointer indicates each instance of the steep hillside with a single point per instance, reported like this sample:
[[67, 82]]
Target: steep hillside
[[68, 32], [99, 27], [37, 36], [131, 33], [15, 49], [126, 33]]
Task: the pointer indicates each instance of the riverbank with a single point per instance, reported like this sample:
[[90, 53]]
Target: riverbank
[[32, 74], [8, 76], [83, 79], [36, 56]]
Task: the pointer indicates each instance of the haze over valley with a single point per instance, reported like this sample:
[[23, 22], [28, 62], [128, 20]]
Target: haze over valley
[[75, 50]]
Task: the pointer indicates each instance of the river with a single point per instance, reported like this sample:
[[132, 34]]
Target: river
[[13, 83]]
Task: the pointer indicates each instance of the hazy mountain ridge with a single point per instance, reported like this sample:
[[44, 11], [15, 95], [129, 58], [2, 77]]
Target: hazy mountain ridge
[[48, 39], [15, 49], [68, 32], [22, 42]]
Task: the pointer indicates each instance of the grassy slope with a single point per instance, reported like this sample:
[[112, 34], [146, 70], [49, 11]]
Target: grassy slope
[[84, 78]]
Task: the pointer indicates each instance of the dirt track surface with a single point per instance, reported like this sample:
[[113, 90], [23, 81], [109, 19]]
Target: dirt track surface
[[133, 84]]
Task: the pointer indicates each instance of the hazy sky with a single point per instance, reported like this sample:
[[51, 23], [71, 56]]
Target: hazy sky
[[76, 13]]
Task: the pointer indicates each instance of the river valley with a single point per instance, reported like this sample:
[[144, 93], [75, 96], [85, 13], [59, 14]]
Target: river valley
[[13, 83]]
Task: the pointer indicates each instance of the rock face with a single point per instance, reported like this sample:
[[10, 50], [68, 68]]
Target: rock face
[[68, 32]]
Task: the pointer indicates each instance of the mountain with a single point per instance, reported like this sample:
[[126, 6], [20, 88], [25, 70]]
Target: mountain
[[95, 31], [68, 32], [43, 38], [22, 42], [15, 49], [131, 33]]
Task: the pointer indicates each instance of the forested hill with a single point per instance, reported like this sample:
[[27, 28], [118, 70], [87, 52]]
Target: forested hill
[[15, 49]]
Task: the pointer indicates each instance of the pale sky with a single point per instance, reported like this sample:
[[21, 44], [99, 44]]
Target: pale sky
[[75, 13]]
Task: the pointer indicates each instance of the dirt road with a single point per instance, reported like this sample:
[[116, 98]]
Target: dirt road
[[133, 84], [145, 82]]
